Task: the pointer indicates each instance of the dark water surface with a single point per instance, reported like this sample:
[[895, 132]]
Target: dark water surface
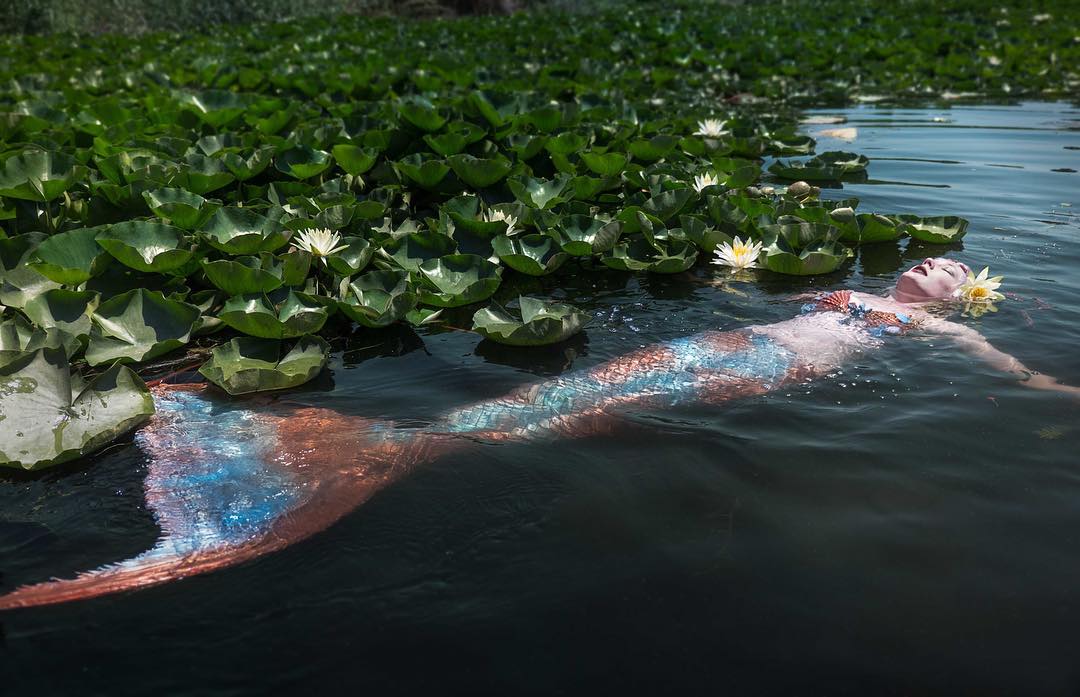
[[910, 525]]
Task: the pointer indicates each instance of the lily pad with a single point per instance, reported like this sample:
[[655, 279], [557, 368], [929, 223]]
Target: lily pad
[[458, 279], [606, 165], [936, 230], [355, 159], [139, 325], [379, 298], [411, 250], [480, 173], [655, 257], [303, 162], [583, 235], [243, 231], [182, 208], [533, 255], [351, 260], [70, 258], [45, 420], [283, 317], [241, 275], [41, 176], [246, 364], [66, 310], [802, 249], [18, 337], [539, 324], [539, 193], [427, 174], [146, 246]]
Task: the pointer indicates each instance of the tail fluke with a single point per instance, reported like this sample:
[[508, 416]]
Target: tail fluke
[[228, 484]]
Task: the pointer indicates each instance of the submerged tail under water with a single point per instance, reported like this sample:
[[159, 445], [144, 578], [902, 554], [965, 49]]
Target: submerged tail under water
[[230, 481]]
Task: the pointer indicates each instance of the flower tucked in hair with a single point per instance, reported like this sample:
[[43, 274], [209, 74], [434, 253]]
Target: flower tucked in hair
[[980, 289]]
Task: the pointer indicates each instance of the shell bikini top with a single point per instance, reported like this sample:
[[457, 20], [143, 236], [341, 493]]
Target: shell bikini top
[[879, 323]]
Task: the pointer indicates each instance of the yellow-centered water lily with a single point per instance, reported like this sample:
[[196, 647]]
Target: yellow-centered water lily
[[321, 242], [704, 180], [710, 128], [980, 289], [737, 254]]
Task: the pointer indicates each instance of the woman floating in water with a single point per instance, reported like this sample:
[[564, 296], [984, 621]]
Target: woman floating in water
[[229, 483]]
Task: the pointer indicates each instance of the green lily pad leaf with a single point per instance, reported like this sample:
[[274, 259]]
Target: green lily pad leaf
[[667, 205], [355, 159], [653, 149], [447, 144], [293, 315], [566, 143], [655, 257], [303, 162], [848, 162], [458, 279], [70, 258], [412, 250], [428, 174], [146, 246], [583, 235], [525, 146], [243, 231], [421, 113], [218, 108], [802, 249], [480, 173], [139, 325], [247, 364], [607, 165], [40, 176], [67, 310], [379, 298], [422, 316], [534, 255], [18, 337], [873, 228], [244, 168], [540, 323], [201, 175], [539, 193], [351, 260], [806, 171], [44, 421], [241, 275], [183, 209], [937, 230]]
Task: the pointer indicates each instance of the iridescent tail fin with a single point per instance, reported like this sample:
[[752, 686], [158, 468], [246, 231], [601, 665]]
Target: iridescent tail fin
[[228, 484]]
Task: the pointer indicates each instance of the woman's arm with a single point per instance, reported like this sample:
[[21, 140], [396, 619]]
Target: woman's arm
[[976, 344]]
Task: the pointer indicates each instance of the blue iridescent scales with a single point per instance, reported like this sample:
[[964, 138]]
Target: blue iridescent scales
[[232, 481]]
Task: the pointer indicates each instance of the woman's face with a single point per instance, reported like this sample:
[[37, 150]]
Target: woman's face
[[933, 279]]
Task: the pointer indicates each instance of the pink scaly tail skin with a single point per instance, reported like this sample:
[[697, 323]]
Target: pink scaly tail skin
[[230, 481]]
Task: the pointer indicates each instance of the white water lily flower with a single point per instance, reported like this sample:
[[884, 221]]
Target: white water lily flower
[[494, 216], [710, 128], [738, 255], [321, 242], [980, 289], [704, 180]]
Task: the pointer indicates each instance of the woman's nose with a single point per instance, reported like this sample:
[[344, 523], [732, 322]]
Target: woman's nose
[[929, 262]]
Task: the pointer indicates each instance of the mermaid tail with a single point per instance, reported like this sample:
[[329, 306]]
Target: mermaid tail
[[229, 482]]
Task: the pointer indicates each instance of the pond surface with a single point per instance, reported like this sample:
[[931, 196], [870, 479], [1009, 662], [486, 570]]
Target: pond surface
[[910, 524]]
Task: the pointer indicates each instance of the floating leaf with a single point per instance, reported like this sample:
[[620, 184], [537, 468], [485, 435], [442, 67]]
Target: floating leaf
[[641, 255], [802, 249], [606, 165], [145, 245], [303, 162], [246, 364], [355, 159], [66, 310], [937, 230], [285, 317], [243, 231], [36, 175], [540, 323], [182, 208], [583, 235], [44, 421], [534, 255], [458, 279], [379, 298], [139, 325], [480, 173], [70, 258], [539, 193], [241, 275]]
